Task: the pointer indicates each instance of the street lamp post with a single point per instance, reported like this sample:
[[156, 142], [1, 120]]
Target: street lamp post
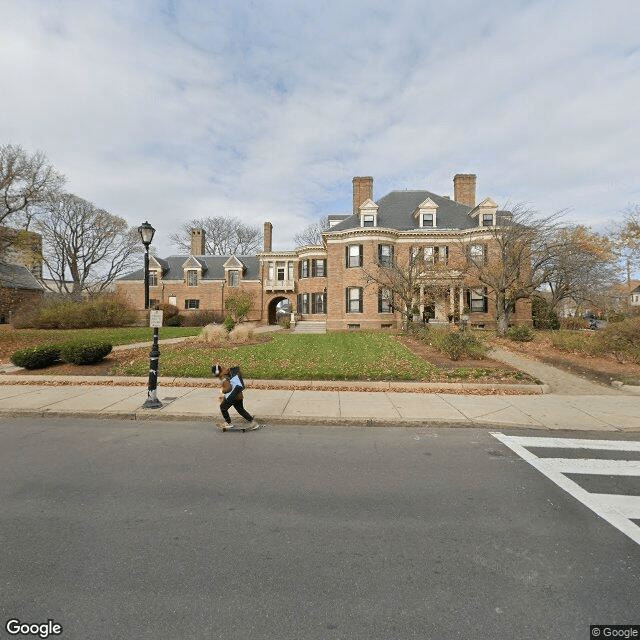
[[146, 232]]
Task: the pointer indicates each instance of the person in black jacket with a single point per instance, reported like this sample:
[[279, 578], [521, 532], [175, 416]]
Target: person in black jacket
[[231, 388]]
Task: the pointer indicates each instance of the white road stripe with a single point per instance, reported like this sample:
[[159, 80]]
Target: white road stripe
[[615, 509], [593, 466]]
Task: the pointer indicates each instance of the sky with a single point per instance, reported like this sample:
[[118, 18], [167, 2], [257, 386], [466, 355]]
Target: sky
[[168, 110]]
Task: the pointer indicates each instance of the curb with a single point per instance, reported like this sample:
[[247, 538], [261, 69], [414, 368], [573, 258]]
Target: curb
[[373, 386], [147, 416]]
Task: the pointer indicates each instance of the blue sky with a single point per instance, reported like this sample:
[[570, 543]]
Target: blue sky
[[265, 110]]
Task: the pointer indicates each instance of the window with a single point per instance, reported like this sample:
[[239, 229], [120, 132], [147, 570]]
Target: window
[[354, 299], [487, 219], [429, 255], [303, 303], [153, 278], [354, 255], [477, 300], [290, 270], [304, 268], [280, 271], [153, 303], [478, 254], [192, 278], [318, 303], [385, 255], [272, 271], [427, 219], [234, 277], [192, 304], [173, 300], [385, 299], [438, 254], [368, 220], [319, 268]]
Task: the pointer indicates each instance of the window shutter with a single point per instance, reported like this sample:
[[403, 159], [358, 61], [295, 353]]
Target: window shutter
[[379, 300], [360, 251], [360, 293], [346, 306]]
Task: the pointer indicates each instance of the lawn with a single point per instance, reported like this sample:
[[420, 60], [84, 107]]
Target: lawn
[[331, 356]]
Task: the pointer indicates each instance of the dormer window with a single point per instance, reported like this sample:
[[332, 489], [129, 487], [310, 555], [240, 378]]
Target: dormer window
[[426, 214], [485, 212], [368, 214], [192, 278], [234, 270], [153, 278]]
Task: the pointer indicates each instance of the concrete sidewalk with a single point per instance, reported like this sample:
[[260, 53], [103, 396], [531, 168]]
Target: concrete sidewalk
[[44, 396]]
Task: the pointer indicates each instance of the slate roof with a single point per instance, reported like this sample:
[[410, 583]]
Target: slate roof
[[214, 268], [395, 211], [18, 277]]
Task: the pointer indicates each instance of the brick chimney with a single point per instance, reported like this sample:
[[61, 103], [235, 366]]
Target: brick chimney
[[362, 190], [464, 188], [268, 235], [197, 242]]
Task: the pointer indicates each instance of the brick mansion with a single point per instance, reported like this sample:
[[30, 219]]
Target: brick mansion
[[332, 281]]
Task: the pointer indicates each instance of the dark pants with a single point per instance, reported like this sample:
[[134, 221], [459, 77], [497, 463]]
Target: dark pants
[[237, 405]]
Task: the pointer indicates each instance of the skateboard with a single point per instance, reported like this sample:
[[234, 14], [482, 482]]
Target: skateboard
[[240, 428]]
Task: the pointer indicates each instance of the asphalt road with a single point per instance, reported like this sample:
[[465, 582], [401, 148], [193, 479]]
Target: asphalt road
[[116, 529]]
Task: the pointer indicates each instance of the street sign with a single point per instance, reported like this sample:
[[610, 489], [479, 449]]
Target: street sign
[[155, 319]]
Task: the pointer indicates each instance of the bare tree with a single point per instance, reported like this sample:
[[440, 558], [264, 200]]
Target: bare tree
[[405, 282], [584, 268], [223, 236], [312, 235], [520, 254], [26, 182], [85, 248], [626, 237]]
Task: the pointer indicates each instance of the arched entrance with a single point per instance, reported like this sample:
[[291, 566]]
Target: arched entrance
[[279, 307]]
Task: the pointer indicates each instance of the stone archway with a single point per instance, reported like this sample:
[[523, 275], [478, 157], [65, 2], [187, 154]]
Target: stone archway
[[277, 307]]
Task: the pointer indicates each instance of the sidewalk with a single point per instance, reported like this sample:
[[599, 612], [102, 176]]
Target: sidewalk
[[123, 399]]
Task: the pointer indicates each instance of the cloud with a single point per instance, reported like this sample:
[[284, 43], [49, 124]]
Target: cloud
[[172, 110]]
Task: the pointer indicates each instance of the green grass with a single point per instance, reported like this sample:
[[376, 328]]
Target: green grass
[[331, 356]]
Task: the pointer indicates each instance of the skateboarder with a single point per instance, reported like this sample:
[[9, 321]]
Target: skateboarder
[[231, 388]]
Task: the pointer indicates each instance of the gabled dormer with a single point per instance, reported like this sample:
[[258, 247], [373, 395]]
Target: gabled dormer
[[193, 271], [426, 214], [485, 212], [368, 213], [156, 270], [233, 271]]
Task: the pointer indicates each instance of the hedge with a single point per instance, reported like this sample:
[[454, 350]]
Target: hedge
[[85, 352], [74, 352], [36, 357]]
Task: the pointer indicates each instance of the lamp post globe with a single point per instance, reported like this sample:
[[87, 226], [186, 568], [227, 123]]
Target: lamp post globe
[[146, 232]]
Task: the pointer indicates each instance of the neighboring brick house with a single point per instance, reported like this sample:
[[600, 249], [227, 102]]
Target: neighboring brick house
[[328, 282], [18, 288]]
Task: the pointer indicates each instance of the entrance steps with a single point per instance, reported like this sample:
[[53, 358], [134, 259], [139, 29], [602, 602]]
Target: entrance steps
[[308, 326]]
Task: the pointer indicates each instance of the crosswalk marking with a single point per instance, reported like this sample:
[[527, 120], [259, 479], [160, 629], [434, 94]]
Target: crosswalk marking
[[618, 510]]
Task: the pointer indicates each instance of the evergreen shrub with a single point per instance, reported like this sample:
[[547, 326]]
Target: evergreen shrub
[[84, 352], [36, 357]]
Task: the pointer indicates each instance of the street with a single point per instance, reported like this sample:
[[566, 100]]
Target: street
[[126, 529]]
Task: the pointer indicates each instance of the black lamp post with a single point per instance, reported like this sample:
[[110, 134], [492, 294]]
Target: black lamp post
[[146, 232]]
